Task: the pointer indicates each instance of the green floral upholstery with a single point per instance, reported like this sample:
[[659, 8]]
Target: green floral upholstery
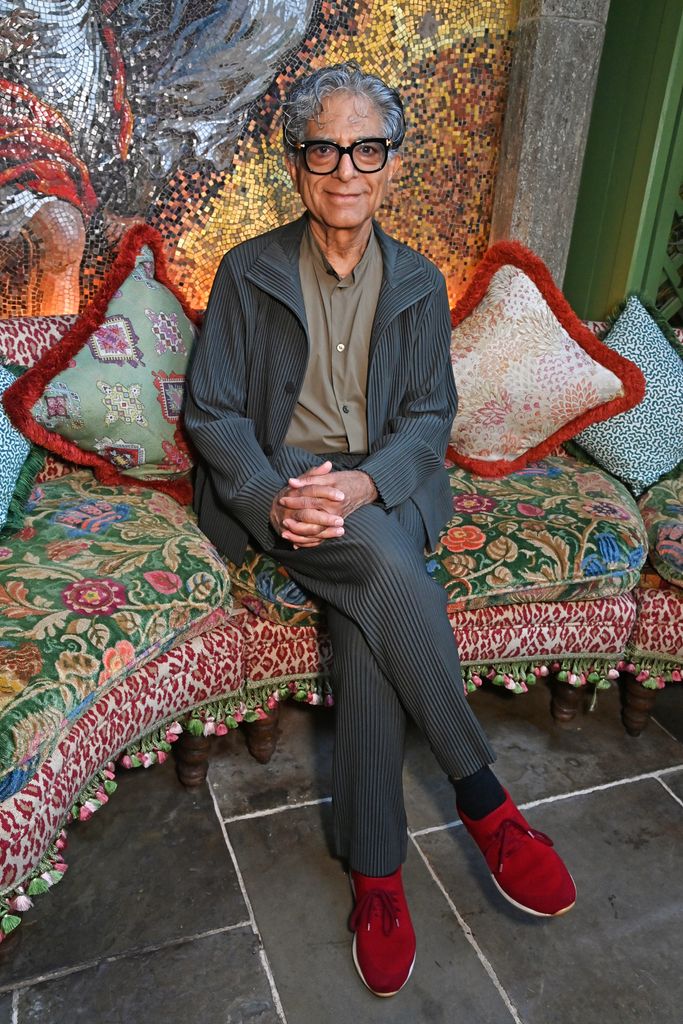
[[99, 581], [557, 530], [662, 510]]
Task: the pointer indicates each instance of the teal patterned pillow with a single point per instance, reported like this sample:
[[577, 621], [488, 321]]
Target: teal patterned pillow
[[641, 445], [14, 450]]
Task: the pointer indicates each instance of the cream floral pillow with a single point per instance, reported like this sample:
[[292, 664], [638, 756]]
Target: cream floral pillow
[[529, 374]]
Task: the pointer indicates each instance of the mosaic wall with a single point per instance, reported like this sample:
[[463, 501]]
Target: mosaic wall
[[113, 111]]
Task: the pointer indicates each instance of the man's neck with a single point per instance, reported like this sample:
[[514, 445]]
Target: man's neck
[[342, 248]]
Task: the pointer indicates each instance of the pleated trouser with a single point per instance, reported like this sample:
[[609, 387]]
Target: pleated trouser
[[394, 655]]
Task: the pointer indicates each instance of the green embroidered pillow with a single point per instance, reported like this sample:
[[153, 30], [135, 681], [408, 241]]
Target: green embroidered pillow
[[109, 394]]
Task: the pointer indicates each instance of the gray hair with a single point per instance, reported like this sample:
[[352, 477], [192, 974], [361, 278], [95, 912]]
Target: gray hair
[[304, 102]]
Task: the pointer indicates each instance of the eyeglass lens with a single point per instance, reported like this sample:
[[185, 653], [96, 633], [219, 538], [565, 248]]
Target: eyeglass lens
[[367, 155]]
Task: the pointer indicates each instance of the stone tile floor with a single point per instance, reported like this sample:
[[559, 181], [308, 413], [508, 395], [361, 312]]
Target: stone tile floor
[[222, 905]]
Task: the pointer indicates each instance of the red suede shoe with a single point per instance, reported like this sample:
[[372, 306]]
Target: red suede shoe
[[522, 861], [384, 940]]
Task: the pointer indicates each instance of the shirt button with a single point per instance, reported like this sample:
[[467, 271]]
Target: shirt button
[[345, 408], [290, 388], [340, 347]]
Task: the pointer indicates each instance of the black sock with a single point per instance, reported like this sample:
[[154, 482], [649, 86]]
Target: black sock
[[479, 794]]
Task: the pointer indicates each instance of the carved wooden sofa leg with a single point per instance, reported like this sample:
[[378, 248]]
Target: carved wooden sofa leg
[[565, 701], [638, 704], [192, 758], [262, 736]]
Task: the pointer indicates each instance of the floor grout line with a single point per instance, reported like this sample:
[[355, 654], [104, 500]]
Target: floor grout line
[[670, 791], [17, 986], [469, 935], [654, 775], [277, 810], [665, 730], [252, 918], [15, 1006]]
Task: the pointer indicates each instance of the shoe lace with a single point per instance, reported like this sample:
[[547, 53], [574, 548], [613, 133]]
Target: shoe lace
[[510, 835], [376, 903]]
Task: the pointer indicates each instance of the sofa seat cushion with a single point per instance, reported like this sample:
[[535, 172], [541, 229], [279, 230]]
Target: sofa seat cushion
[[662, 511], [196, 671], [557, 530], [99, 581]]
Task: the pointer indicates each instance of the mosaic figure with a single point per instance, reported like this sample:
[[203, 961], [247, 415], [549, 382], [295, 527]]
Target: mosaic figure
[[85, 130]]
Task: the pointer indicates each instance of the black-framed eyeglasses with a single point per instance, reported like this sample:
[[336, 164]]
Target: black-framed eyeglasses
[[322, 157]]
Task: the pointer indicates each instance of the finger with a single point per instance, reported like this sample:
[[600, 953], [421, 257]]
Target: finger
[[316, 491], [311, 500], [300, 481], [306, 529], [315, 516], [302, 541]]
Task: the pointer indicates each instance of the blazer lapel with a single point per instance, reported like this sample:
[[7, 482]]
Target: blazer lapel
[[403, 283], [276, 270]]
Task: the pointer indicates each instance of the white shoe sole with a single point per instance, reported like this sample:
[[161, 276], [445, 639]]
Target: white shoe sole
[[528, 910], [382, 995]]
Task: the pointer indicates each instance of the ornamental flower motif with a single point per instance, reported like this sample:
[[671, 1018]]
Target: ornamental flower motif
[[611, 559], [115, 659], [473, 503], [21, 663], [526, 509], [91, 517], [163, 582], [94, 597], [605, 509], [275, 589], [74, 666], [463, 538], [161, 505], [10, 686], [5, 553], [61, 550], [670, 543]]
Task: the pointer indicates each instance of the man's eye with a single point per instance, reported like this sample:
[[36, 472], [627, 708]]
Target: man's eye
[[321, 149]]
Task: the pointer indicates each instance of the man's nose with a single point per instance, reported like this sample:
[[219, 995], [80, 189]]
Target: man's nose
[[345, 168]]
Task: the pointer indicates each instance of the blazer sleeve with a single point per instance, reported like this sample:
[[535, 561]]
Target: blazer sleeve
[[215, 412], [413, 447]]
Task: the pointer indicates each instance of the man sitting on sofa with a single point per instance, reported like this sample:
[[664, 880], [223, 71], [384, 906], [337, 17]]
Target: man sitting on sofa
[[320, 399]]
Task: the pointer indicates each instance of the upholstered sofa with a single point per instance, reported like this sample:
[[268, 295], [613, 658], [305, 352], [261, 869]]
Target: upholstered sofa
[[124, 635]]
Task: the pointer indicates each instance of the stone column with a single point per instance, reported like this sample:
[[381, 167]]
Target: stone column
[[552, 83]]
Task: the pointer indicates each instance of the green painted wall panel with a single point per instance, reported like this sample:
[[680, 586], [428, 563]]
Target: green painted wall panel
[[613, 222]]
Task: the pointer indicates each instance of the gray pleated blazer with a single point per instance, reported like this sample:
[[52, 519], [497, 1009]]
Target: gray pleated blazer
[[248, 367]]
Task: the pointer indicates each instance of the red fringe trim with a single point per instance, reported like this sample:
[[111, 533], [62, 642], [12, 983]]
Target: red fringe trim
[[19, 401], [515, 254]]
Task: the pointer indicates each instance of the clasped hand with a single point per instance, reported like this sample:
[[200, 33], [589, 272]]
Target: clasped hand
[[313, 506]]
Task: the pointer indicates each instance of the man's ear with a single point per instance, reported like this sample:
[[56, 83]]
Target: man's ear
[[395, 165]]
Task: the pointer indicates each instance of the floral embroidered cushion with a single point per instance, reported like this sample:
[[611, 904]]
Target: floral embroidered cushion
[[529, 374], [662, 511], [109, 393], [99, 581], [556, 530], [642, 444]]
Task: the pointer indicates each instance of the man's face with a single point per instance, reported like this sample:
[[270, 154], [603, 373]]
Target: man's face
[[345, 199]]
